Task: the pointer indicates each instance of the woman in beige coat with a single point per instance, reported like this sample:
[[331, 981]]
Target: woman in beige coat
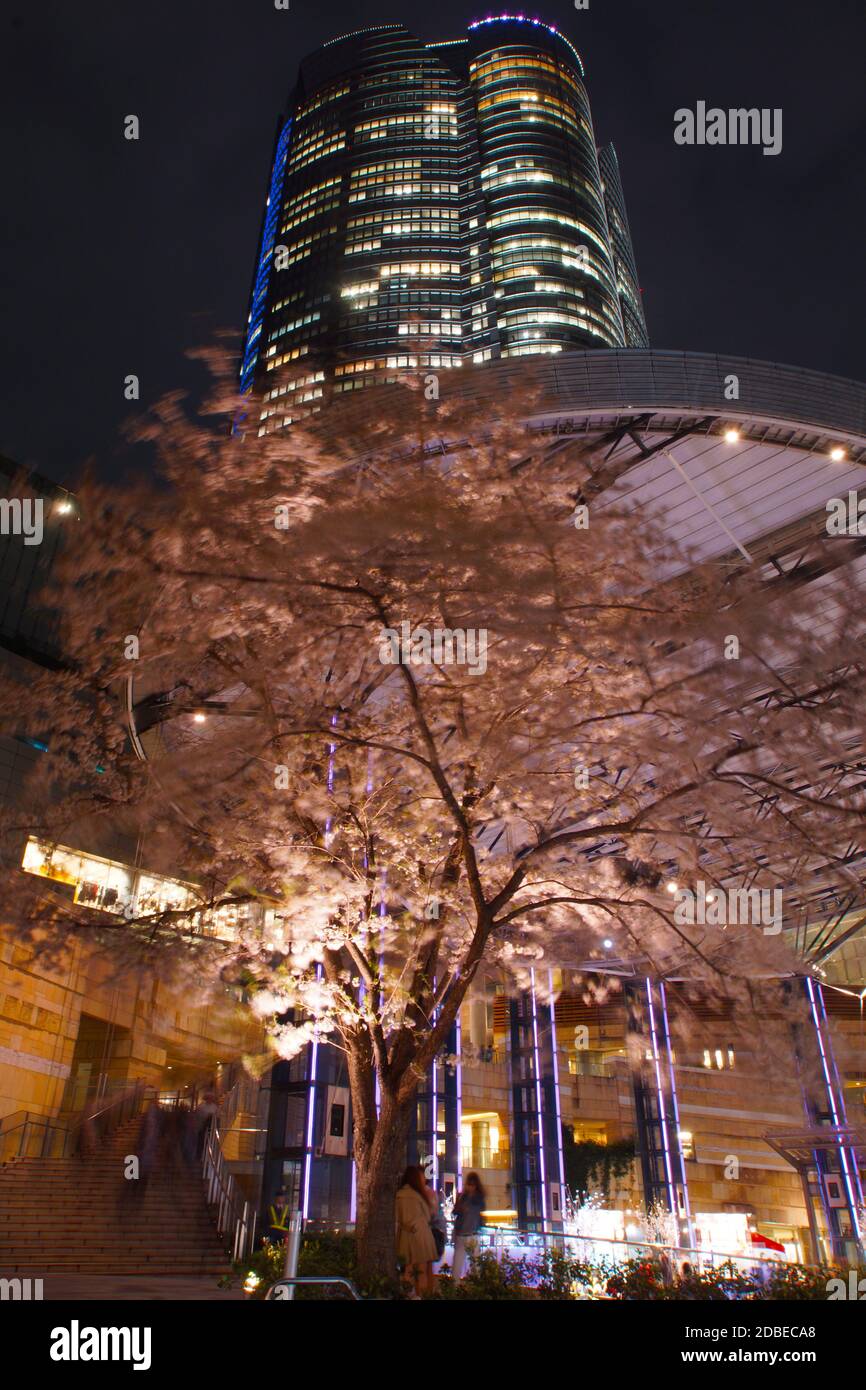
[[416, 1248]]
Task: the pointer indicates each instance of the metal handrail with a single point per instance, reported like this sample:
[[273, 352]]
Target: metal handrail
[[241, 1096], [494, 1237], [59, 1137], [123, 1107], [289, 1283], [235, 1216], [5, 1123]]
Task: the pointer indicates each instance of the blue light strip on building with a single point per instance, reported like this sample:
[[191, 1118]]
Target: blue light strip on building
[[41, 747], [266, 251]]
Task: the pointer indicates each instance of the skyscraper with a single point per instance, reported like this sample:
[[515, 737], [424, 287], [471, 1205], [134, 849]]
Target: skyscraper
[[625, 266], [435, 204]]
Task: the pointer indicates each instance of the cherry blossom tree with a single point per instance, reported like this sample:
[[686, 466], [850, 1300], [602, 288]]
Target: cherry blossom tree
[[428, 698]]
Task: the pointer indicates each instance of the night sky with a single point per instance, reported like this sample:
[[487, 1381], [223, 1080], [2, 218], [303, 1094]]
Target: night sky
[[116, 257]]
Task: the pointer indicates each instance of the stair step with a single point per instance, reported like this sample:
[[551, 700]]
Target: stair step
[[55, 1240], [80, 1215]]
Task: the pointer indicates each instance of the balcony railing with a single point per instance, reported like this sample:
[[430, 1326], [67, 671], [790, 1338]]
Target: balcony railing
[[484, 1158], [483, 1056]]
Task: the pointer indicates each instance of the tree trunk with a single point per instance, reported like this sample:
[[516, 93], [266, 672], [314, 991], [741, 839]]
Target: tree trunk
[[379, 1166]]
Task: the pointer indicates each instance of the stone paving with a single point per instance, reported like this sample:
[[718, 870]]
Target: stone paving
[[133, 1288]]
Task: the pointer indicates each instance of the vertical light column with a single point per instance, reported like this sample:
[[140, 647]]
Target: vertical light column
[[459, 1150], [314, 1047], [264, 265], [657, 1105], [353, 1199], [836, 1105], [536, 1062], [557, 1099], [675, 1105], [660, 1100]]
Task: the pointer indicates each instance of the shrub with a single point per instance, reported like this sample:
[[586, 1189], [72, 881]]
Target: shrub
[[798, 1282], [267, 1262], [638, 1279], [488, 1278], [557, 1274]]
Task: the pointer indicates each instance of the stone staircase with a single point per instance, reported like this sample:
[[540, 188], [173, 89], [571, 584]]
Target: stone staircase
[[81, 1215]]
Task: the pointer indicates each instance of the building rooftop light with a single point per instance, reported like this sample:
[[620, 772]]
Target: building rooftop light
[[527, 19]]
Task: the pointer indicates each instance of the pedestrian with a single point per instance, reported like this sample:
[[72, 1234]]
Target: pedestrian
[[198, 1124], [149, 1142], [467, 1218], [278, 1230], [438, 1225], [416, 1245], [172, 1147], [87, 1139]]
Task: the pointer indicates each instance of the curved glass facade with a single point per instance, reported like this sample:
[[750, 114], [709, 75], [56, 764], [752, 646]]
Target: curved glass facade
[[553, 272], [621, 245], [429, 205]]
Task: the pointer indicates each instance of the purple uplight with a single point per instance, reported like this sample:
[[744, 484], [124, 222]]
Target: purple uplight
[[537, 1068]]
